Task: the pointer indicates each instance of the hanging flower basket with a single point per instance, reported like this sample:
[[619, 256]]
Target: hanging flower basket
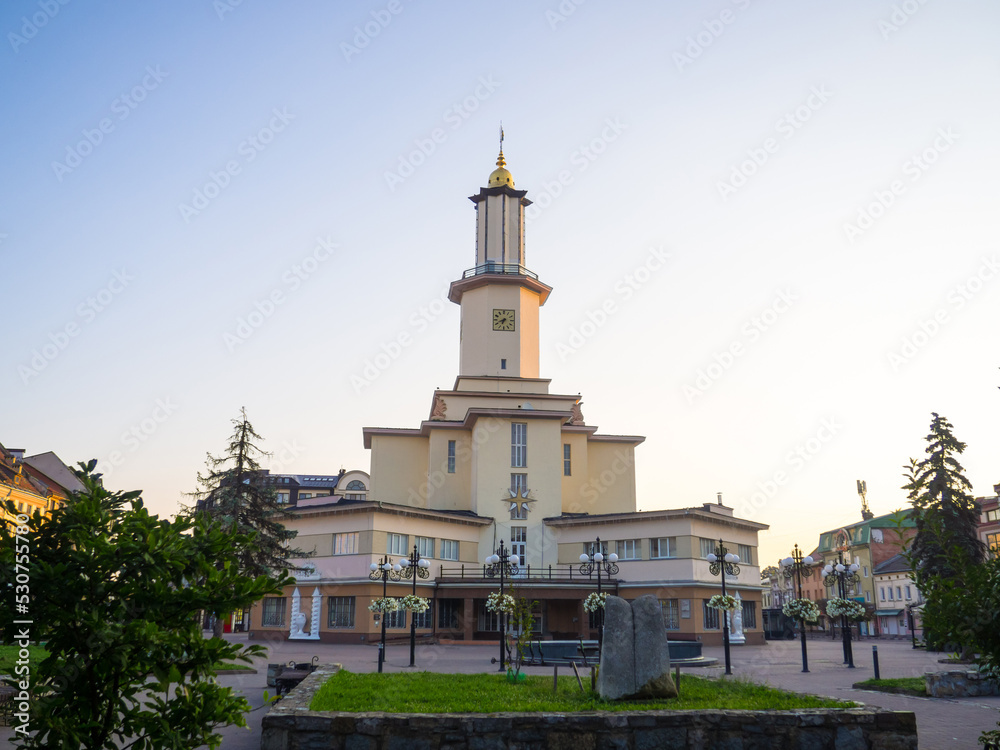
[[801, 609], [413, 603], [500, 603], [595, 601], [845, 607], [384, 604], [723, 601]]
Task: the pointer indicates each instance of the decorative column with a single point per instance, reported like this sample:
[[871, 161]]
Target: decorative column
[[315, 619], [298, 622]]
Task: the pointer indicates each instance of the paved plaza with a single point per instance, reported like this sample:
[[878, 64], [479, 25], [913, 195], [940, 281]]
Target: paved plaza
[[942, 723]]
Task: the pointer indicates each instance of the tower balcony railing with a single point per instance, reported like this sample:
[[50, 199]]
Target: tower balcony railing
[[555, 573], [506, 269]]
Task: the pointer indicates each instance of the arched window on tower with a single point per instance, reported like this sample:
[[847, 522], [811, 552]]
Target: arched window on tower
[[355, 490]]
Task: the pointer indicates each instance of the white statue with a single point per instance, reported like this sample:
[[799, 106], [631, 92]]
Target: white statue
[[298, 625], [736, 623]]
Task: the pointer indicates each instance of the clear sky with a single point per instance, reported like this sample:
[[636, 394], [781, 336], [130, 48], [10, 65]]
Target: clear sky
[[771, 229]]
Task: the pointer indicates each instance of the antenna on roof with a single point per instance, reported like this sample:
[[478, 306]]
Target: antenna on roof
[[719, 497], [866, 514]]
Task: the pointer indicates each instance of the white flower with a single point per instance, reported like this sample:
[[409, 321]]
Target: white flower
[[801, 609], [413, 603], [500, 603], [595, 601], [384, 604], [847, 607], [722, 601]]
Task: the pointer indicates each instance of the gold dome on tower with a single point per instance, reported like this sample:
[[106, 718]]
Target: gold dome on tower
[[500, 176]]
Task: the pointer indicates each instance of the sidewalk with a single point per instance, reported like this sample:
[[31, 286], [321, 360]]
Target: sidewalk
[[942, 723]]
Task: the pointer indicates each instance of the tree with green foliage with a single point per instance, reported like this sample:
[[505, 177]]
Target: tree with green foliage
[[946, 513], [114, 592], [238, 495]]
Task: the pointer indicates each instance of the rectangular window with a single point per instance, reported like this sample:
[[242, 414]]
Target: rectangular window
[[706, 546], [273, 615], [671, 614], [503, 364], [865, 569], [518, 483], [628, 549], [449, 549], [345, 544], [487, 622], [448, 614], [283, 497], [908, 594], [399, 544], [993, 542], [425, 547], [395, 619], [868, 596], [993, 515], [423, 619], [899, 594], [745, 551], [664, 546], [567, 462], [305, 495], [340, 612], [890, 593], [881, 592], [749, 614], [519, 444], [451, 456], [710, 616], [518, 511]]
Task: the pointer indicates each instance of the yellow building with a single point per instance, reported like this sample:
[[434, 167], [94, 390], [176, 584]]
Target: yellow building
[[501, 458], [34, 483]]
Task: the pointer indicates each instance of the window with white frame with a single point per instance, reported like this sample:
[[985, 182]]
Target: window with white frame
[[449, 549], [664, 546], [423, 619], [273, 614], [993, 515], [340, 611], [567, 461], [908, 593], [283, 496], [398, 544], [355, 488], [451, 456], [671, 614], [305, 495], [707, 547], [899, 593], [745, 551], [881, 592], [519, 444], [865, 569], [629, 549], [425, 547], [346, 543]]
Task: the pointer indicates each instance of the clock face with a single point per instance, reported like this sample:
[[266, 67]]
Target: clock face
[[503, 320]]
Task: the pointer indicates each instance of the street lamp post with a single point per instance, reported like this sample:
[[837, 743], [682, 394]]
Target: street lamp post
[[723, 562], [597, 559], [798, 567], [840, 576], [383, 570], [414, 567], [503, 564]]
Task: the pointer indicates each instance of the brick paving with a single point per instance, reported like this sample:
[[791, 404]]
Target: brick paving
[[942, 723]]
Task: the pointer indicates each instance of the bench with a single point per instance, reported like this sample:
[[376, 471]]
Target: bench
[[285, 677], [554, 653]]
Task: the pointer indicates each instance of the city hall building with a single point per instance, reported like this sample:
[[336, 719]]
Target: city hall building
[[501, 457]]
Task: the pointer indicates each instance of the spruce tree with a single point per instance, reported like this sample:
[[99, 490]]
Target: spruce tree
[[238, 496], [946, 513]]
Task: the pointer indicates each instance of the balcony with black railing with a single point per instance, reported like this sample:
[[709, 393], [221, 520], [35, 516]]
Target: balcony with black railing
[[502, 269], [565, 574]]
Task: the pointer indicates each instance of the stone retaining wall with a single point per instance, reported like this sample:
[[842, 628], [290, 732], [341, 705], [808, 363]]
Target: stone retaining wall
[[291, 726], [959, 684]]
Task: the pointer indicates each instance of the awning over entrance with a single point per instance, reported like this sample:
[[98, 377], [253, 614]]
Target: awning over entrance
[[887, 612]]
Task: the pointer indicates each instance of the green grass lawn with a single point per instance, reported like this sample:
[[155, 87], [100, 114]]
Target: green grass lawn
[[426, 692], [905, 685], [8, 657]]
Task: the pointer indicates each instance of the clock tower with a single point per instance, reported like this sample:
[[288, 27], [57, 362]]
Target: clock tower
[[499, 296]]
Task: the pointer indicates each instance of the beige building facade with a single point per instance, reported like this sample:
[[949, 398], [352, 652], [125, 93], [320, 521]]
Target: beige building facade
[[503, 458]]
